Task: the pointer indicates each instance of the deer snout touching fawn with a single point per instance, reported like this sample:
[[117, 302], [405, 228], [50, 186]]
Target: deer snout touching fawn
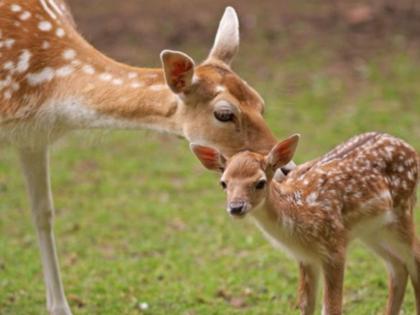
[[365, 188]]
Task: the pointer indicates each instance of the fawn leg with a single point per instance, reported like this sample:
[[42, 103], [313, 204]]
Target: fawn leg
[[333, 272], [308, 284], [397, 276], [35, 168], [415, 274]]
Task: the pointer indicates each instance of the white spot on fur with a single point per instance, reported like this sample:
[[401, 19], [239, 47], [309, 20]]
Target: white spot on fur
[[105, 77], [132, 75], [76, 62], [9, 65], [45, 26], [64, 71], [45, 44], [25, 15], [43, 76], [8, 43], [23, 63], [60, 32], [136, 85], [15, 8], [69, 54], [311, 198], [88, 69], [117, 82], [7, 95]]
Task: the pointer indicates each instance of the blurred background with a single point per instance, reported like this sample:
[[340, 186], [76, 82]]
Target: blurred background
[[141, 227]]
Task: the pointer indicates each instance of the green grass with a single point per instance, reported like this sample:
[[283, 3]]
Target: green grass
[[139, 220]]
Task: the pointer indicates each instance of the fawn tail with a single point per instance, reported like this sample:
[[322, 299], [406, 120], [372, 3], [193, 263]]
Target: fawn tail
[[418, 167]]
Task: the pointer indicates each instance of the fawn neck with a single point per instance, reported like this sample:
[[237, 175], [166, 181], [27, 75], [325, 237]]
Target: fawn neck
[[279, 206]]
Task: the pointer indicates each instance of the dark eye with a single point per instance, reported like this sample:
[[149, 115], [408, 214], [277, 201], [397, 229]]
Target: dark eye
[[260, 184], [223, 184], [224, 115]]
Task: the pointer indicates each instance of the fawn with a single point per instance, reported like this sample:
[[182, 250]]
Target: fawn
[[365, 188]]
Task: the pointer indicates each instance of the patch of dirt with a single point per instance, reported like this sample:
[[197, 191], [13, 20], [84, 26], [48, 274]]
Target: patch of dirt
[[135, 31]]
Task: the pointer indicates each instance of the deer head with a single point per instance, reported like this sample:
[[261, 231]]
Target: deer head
[[220, 109], [246, 175]]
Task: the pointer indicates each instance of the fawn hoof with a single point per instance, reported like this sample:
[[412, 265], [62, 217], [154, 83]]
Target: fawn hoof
[[60, 310]]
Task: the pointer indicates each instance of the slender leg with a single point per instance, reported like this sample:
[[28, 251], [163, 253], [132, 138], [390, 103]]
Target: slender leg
[[415, 275], [397, 274], [413, 267], [333, 271], [308, 284], [35, 167]]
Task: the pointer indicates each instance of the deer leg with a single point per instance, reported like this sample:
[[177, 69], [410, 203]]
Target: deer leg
[[308, 284], [415, 274], [397, 274], [333, 272], [414, 268], [35, 168]]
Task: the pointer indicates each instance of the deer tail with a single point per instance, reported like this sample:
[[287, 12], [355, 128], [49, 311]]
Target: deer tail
[[418, 168]]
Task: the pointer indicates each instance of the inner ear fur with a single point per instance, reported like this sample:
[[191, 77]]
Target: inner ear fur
[[283, 152], [211, 158], [178, 69]]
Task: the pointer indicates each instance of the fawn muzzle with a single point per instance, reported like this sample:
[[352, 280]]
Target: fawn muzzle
[[237, 208]]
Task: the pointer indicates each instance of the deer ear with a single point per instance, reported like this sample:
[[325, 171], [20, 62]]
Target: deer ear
[[283, 152], [226, 43], [179, 70], [209, 157]]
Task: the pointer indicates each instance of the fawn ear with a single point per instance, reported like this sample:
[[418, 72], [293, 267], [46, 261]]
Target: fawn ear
[[283, 152], [226, 43], [209, 157], [179, 70]]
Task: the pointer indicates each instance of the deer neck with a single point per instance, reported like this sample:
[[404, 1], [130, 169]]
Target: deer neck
[[101, 93], [64, 83]]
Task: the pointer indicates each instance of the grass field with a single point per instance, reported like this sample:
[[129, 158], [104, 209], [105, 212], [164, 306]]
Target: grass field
[[139, 220]]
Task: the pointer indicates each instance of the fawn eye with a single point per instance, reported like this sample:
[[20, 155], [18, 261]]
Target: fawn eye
[[223, 184], [224, 115], [260, 184]]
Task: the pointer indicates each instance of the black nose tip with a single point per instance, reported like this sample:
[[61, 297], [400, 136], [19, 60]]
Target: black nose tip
[[236, 208]]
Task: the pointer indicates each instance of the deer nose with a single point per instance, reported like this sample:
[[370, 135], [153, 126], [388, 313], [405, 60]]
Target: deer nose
[[236, 208]]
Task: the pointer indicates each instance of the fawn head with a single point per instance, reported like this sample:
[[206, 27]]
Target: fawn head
[[219, 108], [246, 175]]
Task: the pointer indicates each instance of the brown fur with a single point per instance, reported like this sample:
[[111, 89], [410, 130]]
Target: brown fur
[[364, 188], [190, 115]]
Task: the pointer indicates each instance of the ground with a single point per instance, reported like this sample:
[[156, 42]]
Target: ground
[[140, 221]]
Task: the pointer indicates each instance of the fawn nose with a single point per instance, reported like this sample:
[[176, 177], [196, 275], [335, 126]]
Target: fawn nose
[[236, 208]]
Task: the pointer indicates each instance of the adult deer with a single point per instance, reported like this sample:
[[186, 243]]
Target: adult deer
[[364, 188], [52, 81]]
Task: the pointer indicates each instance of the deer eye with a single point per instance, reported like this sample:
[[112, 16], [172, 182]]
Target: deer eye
[[224, 115], [223, 184], [260, 184]]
